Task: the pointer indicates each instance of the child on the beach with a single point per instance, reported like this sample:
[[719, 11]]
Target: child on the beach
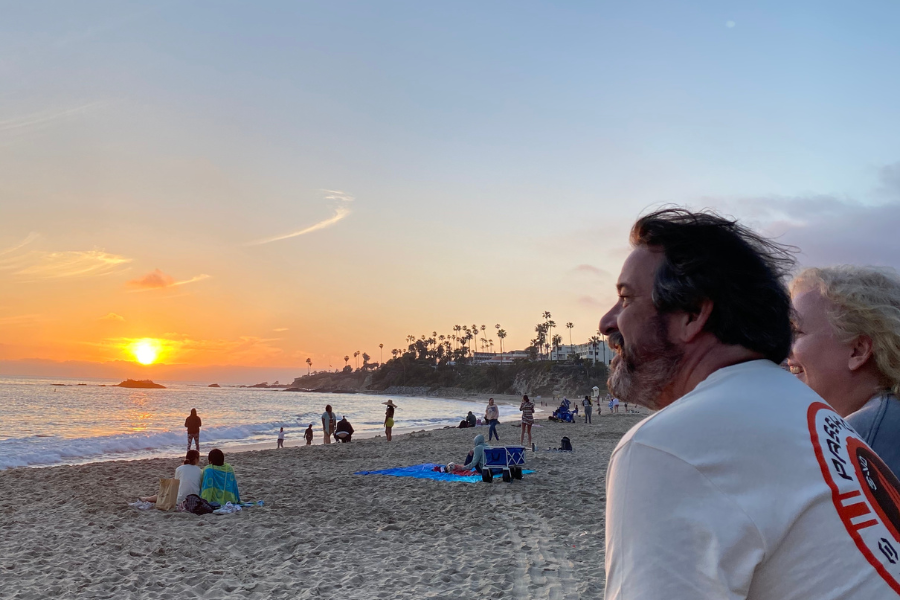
[[280, 438], [309, 434]]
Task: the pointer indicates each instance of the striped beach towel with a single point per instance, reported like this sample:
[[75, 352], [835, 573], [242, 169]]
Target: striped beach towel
[[219, 485]]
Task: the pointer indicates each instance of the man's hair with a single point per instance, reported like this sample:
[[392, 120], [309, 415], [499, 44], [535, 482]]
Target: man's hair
[[709, 257], [864, 301], [216, 457]]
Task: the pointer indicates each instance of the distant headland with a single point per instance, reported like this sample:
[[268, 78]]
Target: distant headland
[[142, 383]]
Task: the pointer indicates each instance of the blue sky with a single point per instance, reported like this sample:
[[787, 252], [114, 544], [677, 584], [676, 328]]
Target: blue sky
[[491, 151]]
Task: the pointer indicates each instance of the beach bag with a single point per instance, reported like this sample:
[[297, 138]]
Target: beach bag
[[197, 505], [565, 445], [167, 495]]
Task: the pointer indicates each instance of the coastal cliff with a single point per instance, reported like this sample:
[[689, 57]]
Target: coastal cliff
[[413, 378]]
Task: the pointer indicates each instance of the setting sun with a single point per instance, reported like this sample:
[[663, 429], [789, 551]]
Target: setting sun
[[145, 351]]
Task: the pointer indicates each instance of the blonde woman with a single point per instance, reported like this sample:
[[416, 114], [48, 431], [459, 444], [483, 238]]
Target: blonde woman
[[847, 348]]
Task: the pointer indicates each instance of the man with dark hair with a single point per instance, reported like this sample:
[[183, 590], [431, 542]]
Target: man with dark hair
[[744, 484]]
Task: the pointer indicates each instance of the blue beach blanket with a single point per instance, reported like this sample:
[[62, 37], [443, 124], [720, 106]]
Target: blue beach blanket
[[426, 472]]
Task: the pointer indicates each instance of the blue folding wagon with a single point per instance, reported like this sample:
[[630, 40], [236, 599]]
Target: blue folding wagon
[[507, 460]]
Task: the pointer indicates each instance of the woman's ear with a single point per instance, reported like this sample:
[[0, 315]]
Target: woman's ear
[[860, 352]]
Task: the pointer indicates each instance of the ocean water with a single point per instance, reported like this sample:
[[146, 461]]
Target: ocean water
[[42, 424]]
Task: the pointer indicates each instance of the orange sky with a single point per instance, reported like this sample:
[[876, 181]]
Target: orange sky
[[259, 185]]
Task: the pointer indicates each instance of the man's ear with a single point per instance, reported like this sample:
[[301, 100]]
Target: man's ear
[[688, 325], [860, 352]]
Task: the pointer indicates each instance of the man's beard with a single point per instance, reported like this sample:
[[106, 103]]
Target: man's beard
[[641, 376]]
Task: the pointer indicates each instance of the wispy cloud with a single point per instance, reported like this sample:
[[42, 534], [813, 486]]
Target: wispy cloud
[[28, 239], [111, 317], [280, 329], [591, 270], [340, 212], [157, 280], [46, 117], [590, 302], [20, 320], [42, 264]]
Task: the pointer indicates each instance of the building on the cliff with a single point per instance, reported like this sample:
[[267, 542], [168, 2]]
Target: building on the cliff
[[601, 352], [495, 358]]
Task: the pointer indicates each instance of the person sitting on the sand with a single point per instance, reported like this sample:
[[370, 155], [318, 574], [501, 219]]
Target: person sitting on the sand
[[475, 458], [344, 430], [219, 483], [189, 477], [471, 419]]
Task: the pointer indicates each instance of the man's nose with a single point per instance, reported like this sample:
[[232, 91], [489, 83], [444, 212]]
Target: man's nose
[[608, 321]]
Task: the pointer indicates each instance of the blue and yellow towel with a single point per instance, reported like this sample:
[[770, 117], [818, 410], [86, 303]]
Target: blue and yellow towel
[[219, 485]]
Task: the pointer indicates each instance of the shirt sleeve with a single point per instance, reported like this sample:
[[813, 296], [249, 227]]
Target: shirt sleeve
[[670, 533]]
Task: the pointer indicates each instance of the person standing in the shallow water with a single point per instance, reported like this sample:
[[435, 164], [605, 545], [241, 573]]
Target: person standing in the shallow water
[[193, 424], [309, 435], [329, 421], [389, 418]]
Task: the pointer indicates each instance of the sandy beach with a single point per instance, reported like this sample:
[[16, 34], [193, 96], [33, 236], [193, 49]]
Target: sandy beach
[[324, 532]]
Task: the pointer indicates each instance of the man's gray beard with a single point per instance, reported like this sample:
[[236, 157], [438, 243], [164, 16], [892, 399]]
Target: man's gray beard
[[643, 380]]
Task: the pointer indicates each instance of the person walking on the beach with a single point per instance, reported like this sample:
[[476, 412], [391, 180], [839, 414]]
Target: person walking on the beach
[[193, 424], [309, 434], [280, 438], [615, 405], [389, 418], [527, 408], [588, 409], [329, 422], [744, 483], [492, 416]]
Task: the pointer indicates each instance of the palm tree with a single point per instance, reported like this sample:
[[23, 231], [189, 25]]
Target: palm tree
[[595, 343], [556, 340], [501, 333], [356, 356], [308, 366], [569, 326], [346, 360], [483, 327], [365, 358], [381, 353], [550, 325]]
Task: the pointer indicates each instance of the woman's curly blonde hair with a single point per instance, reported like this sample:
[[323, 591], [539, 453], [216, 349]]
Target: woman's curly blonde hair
[[865, 301]]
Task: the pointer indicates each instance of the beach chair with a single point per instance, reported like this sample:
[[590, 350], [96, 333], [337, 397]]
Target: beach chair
[[507, 460]]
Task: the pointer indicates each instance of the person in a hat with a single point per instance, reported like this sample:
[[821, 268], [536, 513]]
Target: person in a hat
[[389, 418]]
